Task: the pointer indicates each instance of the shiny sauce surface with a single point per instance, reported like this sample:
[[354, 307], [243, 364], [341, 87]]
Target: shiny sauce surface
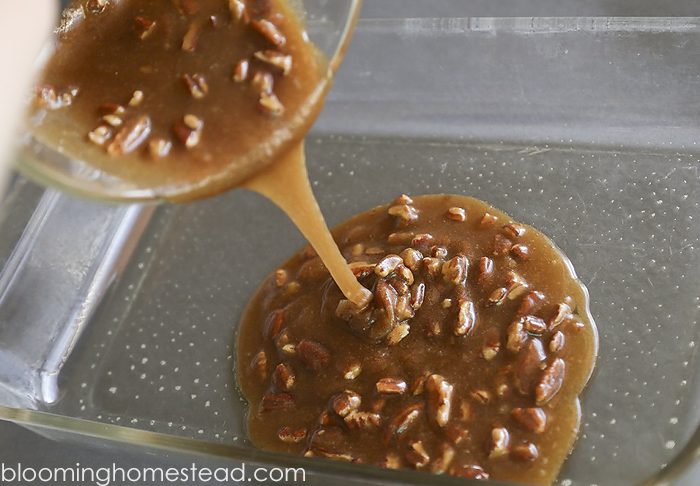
[[468, 361], [190, 97]]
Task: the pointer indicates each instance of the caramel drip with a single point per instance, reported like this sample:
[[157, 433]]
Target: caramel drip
[[286, 183]]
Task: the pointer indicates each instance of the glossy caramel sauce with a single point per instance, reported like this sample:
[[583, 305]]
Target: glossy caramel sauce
[[464, 382]]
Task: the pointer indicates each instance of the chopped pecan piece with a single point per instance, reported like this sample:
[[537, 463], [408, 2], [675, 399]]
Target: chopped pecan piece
[[352, 371], [516, 336], [516, 285], [276, 401], [423, 239], [292, 435], [488, 220], [471, 472], [500, 442], [530, 303], [481, 396], [550, 382], [456, 214], [100, 135], [159, 148], [521, 252], [501, 245], [387, 265], [189, 41], [416, 455], [497, 297], [143, 27], [238, 10], [533, 419], [345, 402], [412, 258], [397, 334], [534, 325], [271, 105], [439, 398], [283, 377], [401, 422], [48, 97], [557, 342], [273, 324], [484, 271], [258, 365], [197, 85], [189, 130], [314, 356], [466, 318], [391, 386], [441, 463], [455, 270], [240, 72], [276, 59], [136, 98], [528, 366], [269, 31], [514, 230], [402, 199], [403, 212], [281, 277], [525, 452], [417, 295], [456, 433], [561, 313], [356, 420]]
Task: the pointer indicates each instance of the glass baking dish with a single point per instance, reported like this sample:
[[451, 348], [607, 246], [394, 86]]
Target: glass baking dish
[[118, 322]]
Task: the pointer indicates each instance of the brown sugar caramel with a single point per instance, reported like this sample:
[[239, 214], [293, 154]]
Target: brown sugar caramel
[[186, 97], [469, 360], [191, 98]]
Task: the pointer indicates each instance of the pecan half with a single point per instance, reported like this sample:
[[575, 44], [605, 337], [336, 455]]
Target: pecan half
[[132, 134]]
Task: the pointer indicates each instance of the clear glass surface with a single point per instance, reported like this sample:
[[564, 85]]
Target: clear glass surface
[[585, 128]]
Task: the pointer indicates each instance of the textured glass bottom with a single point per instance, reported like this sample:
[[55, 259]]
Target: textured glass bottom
[[158, 353]]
